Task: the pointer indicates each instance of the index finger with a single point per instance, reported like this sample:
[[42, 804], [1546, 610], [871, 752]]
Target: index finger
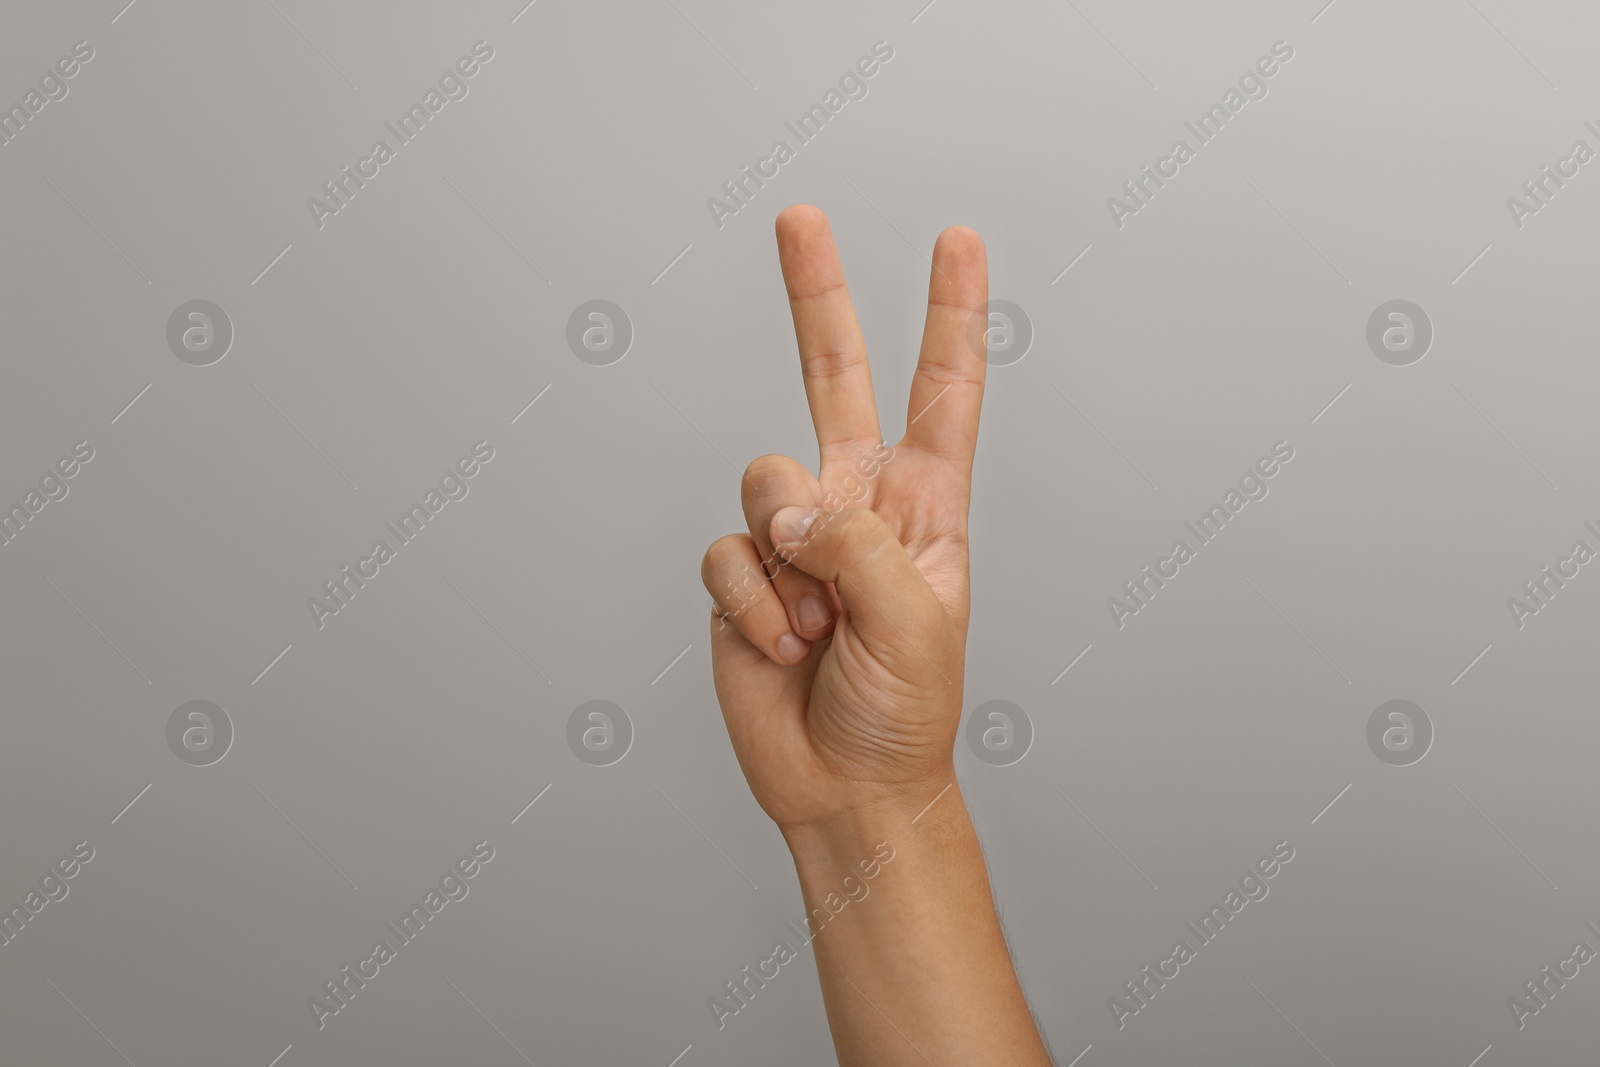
[[833, 354]]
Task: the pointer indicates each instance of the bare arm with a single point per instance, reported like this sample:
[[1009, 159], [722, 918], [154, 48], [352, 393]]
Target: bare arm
[[917, 971]]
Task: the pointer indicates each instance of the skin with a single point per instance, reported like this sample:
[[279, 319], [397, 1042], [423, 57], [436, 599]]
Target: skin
[[839, 668]]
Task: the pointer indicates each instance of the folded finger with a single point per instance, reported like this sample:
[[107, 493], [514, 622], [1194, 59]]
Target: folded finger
[[888, 600], [771, 483], [747, 600]]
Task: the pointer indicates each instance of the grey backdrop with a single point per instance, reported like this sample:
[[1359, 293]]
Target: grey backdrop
[[371, 353]]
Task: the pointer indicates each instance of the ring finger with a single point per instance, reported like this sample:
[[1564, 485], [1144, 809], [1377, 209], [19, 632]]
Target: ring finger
[[771, 483], [733, 576]]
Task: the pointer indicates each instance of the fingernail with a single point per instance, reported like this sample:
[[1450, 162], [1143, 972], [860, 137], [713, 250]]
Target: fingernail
[[791, 524], [791, 649], [813, 614]]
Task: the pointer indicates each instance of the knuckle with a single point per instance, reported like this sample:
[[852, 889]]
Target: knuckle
[[844, 442], [816, 291], [721, 558], [766, 473], [734, 582], [954, 538], [833, 363]]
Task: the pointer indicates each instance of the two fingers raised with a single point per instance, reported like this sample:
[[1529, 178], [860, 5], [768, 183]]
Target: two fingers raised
[[852, 561]]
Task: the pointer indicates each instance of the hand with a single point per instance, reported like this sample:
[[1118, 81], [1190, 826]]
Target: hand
[[838, 647]]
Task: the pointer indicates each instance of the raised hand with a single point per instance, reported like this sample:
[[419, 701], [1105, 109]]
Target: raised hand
[[838, 648], [839, 641]]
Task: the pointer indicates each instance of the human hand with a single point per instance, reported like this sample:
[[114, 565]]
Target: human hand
[[839, 666]]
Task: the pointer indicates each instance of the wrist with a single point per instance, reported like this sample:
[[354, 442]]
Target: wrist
[[932, 811]]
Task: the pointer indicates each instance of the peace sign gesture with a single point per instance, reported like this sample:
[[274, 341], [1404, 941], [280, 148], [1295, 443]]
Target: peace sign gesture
[[840, 635]]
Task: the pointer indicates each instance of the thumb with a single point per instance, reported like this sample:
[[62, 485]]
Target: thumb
[[877, 581]]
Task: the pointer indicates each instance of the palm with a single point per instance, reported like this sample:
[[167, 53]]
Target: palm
[[924, 500], [878, 700]]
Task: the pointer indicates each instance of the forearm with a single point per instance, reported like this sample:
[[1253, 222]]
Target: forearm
[[915, 970]]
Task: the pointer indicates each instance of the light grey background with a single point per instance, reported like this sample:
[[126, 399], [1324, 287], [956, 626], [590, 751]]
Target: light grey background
[[1223, 317]]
